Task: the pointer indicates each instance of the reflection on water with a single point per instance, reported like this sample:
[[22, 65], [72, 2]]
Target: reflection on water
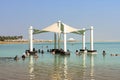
[[87, 68], [31, 68], [83, 65], [60, 68], [65, 68], [56, 68], [84, 60], [62, 72], [92, 66]]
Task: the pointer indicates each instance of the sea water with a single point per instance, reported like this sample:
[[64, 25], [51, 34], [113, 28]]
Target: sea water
[[56, 67]]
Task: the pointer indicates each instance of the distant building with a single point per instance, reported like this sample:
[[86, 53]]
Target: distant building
[[71, 40]]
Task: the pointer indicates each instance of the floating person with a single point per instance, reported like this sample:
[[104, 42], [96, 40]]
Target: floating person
[[104, 53], [76, 52], [114, 54], [52, 51], [33, 49], [38, 50], [16, 58], [27, 53], [48, 50], [68, 50], [42, 52], [23, 57]]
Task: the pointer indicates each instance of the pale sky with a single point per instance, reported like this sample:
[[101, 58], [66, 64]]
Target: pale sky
[[17, 15]]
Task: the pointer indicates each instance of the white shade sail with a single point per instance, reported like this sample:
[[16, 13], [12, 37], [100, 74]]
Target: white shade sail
[[69, 29], [52, 28], [59, 29]]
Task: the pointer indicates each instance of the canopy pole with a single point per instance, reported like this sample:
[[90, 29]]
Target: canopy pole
[[31, 39], [58, 40], [91, 38], [92, 51], [83, 40], [65, 41], [59, 26], [55, 40]]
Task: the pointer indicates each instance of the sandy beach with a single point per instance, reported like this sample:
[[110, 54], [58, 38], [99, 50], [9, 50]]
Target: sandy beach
[[23, 41], [13, 42]]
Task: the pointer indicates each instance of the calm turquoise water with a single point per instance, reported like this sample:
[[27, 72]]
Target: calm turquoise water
[[57, 67]]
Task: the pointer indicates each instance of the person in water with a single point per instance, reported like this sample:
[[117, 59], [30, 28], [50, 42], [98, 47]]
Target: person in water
[[104, 53], [16, 58], [76, 52], [23, 57]]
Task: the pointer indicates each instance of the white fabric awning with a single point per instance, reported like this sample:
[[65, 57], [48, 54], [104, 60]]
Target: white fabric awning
[[59, 29], [52, 28], [69, 29]]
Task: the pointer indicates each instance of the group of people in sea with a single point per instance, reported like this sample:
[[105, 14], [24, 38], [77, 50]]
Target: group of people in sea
[[25, 55], [53, 51]]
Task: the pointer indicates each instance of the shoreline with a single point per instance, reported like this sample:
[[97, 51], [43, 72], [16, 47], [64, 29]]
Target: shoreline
[[23, 41], [13, 42], [41, 41]]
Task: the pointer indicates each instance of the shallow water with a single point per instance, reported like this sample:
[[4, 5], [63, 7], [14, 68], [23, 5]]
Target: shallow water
[[57, 67]]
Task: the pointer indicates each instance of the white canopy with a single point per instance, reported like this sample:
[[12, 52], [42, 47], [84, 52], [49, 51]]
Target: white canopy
[[55, 28], [69, 29], [52, 28], [59, 27]]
